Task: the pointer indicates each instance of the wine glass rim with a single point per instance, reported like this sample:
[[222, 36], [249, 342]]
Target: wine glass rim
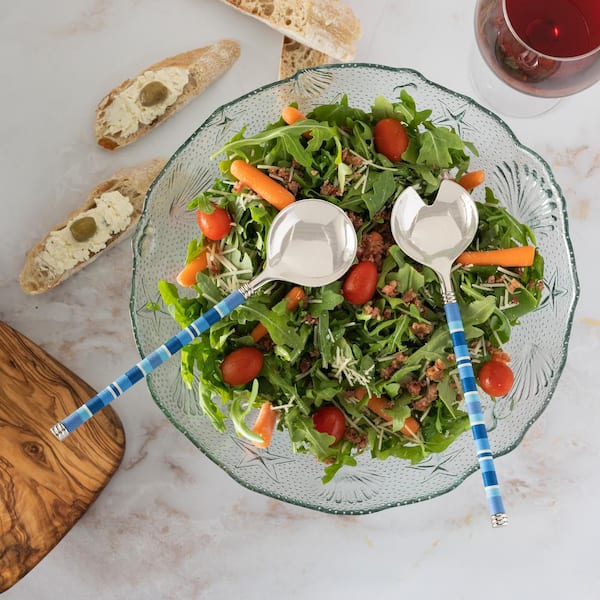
[[542, 54]]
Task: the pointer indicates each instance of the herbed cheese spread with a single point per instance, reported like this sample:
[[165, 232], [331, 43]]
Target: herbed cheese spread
[[125, 113], [62, 252]]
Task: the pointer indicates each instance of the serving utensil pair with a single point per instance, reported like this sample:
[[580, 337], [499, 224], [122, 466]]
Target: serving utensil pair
[[312, 243]]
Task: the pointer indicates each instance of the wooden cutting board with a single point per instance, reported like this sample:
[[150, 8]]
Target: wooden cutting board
[[45, 485]]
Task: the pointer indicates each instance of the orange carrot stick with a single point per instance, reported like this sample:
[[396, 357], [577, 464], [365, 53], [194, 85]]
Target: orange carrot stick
[[259, 332], [187, 276], [290, 115], [411, 427], [519, 256], [265, 424], [472, 180], [294, 297], [379, 404], [262, 184]]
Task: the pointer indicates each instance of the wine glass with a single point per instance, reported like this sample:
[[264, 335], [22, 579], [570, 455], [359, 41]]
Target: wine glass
[[543, 49]]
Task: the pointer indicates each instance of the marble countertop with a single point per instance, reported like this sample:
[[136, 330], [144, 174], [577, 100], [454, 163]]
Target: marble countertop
[[171, 524]]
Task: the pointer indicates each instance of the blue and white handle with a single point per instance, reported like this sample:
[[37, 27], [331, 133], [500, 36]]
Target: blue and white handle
[[473, 405], [156, 358]]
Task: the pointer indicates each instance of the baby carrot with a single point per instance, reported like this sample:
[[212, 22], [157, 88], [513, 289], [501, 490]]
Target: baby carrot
[[519, 256], [290, 115], [472, 180], [265, 424], [411, 427], [379, 404], [187, 276], [259, 332], [262, 184], [294, 297]]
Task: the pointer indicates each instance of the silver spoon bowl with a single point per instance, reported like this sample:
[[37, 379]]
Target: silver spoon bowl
[[310, 242], [435, 235]]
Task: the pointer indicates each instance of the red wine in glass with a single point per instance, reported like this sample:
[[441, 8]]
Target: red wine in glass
[[548, 48]]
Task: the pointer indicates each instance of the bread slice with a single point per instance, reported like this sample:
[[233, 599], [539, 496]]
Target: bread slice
[[132, 182], [296, 56], [325, 25], [203, 65]]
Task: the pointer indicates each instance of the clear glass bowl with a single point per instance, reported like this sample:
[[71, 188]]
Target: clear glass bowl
[[538, 347]]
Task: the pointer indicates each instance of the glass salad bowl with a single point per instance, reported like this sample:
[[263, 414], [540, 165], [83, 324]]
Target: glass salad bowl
[[538, 346]]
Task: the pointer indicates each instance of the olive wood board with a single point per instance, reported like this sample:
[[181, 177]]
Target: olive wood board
[[45, 485]]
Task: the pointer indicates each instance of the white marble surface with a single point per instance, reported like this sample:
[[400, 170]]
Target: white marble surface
[[170, 524]]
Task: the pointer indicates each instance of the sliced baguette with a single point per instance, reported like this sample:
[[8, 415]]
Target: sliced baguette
[[325, 25], [296, 56], [132, 182], [204, 65]]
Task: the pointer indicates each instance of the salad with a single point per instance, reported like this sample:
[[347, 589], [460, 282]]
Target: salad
[[364, 364]]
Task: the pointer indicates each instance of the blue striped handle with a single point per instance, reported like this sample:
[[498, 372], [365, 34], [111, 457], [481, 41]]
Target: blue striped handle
[[151, 362], [473, 404]]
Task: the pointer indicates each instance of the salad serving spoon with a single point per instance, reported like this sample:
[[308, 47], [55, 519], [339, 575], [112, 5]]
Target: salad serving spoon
[[311, 242], [435, 235]]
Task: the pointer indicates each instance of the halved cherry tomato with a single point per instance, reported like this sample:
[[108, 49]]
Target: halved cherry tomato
[[241, 366], [330, 419], [495, 378], [360, 283], [391, 139], [215, 225]]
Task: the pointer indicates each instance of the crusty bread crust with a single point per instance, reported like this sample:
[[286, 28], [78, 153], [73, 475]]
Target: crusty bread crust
[[132, 182], [325, 25], [296, 56], [205, 66]]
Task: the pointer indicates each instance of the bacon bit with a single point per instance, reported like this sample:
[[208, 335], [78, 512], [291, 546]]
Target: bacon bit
[[436, 371], [451, 358], [372, 247], [422, 404], [396, 363], [410, 297], [389, 289], [310, 320], [238, 187], [355, 219], [284, 175], [500, 355], [355, 437], [351, 159], [329, 189], [414, 387], [421, 330]]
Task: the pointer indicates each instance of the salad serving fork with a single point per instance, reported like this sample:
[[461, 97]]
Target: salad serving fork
[[434, 235]]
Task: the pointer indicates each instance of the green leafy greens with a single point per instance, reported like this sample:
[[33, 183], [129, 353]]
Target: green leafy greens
[[397, 345]]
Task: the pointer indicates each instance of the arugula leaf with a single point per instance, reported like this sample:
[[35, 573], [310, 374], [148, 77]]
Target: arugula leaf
[[436, 143]]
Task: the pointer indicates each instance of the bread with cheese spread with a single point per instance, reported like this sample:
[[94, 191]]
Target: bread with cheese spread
[[295, 56], [325, 25], [59, 255], [138, 105]]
